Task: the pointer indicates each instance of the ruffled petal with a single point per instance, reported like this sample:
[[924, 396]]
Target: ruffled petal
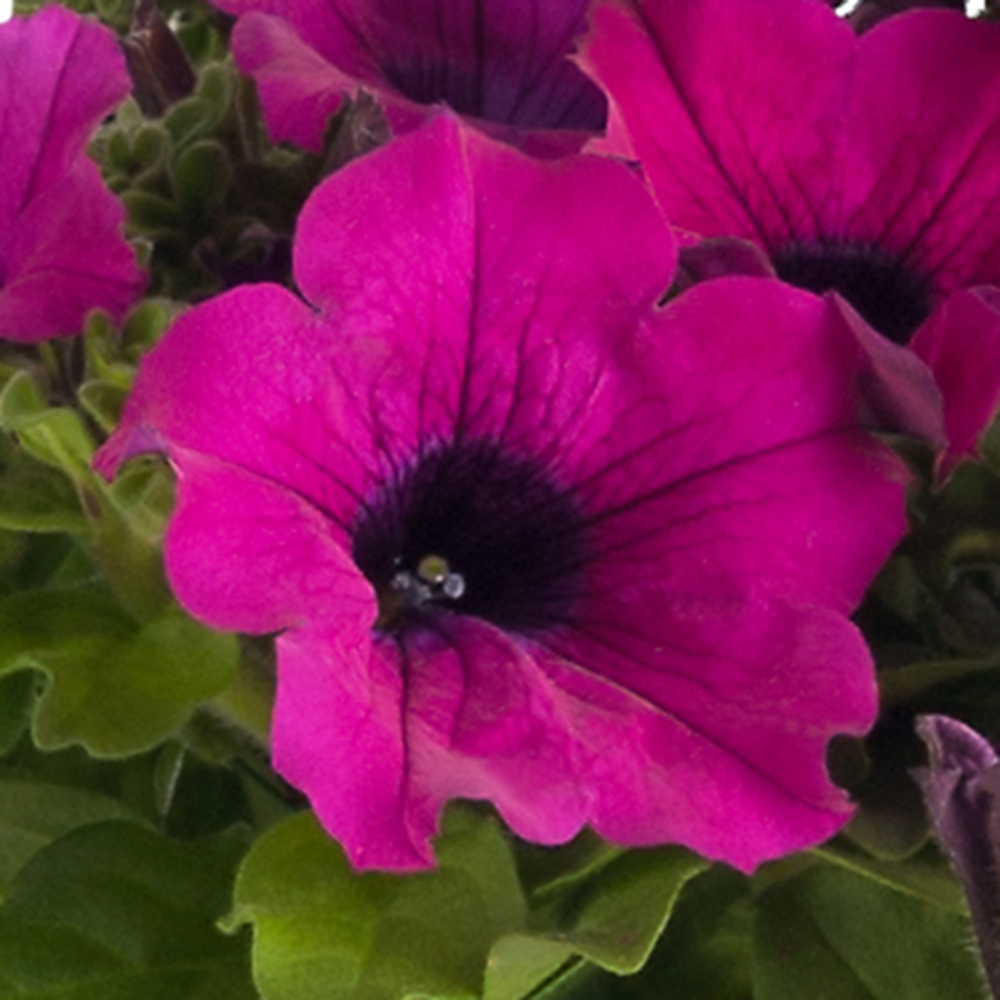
[[253, 369], [59, 76], [504, 65], [337, 733], [65, 256], [487, 311], [961, 345], [925, 118], [717, 740], [300, 91], [62, 249], [734, 108]]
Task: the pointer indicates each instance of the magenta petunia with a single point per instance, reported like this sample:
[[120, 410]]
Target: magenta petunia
[[62, 249], [527, 537], [503, 63], [863, 165]]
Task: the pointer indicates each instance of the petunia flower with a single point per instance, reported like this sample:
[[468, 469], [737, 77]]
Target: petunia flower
[[961, 788], [503, 63], [526, 538], [62, 251], [863, 165]]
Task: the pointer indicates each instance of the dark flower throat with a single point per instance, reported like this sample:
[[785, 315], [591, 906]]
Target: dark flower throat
[[468, 529], [496, 92], [891, 295]]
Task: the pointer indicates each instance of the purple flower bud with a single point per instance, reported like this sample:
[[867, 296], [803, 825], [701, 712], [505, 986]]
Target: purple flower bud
[[962, 791], [161, 74]]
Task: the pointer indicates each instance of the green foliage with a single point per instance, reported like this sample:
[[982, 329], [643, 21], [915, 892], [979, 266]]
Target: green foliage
[[18, 695], [33, 814], [609, 912], [115, 686], [832, 934], [465, 930], [323, 931], [115, 912], [35, 496]]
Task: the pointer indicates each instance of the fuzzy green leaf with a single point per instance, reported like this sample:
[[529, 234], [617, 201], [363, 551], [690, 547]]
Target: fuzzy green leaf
[[35, 497], [836, 935], [34, 814], [55, 436], [612, 918], [202, 175], [115, 687], [115, 912], [324, 932], [18, 694]]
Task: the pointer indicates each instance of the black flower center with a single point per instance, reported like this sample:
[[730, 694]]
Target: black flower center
[[890, 294], [469, 529]]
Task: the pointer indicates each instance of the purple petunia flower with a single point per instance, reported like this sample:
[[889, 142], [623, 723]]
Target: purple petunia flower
[[863, 165], [962, 792], [502, 63], [528, 539], [62, 251]]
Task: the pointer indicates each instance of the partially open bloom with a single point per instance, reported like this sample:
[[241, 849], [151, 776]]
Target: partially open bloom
[[528, 539], [62, 251], [961, 788], [863, 165], [503, 63]]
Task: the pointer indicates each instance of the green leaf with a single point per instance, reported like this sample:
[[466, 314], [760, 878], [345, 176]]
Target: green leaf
[[151, 214], [103, 402], [904, 684], [202, 175], [190, 119], [21, 398], [324, 932], [611, 918], [35, 497], [18, 694], [32, 815], [704, 953], [55, 436], [836, 935], [144, 326], [925, 876], [115, 687], [115, 912]]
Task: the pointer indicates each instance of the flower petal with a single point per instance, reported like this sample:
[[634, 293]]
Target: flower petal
[[961, 345], [504, 64], [62, 251], [59, 76], [771, 121], [711, 98], [465, 318], [717, 740], [66, 255], [762, 464], [253, 369], [300, 90], [925, 114], [245, 554], [337, 733]]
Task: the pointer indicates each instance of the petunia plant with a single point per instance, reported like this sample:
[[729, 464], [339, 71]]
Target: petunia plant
[[472, 530]]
